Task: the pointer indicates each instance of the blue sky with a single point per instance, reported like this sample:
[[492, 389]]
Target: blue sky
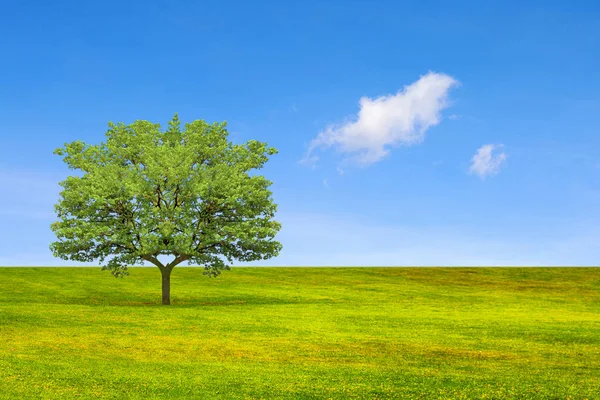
[[476, 142]]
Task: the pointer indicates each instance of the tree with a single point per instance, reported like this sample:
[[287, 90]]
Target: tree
[[146, 193]]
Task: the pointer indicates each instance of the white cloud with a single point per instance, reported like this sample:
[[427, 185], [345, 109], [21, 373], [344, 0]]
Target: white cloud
[[484, 163], [390, 120], [325, 183]]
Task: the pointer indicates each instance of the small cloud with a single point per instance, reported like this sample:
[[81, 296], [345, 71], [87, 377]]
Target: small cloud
[[309, 161], [340, 171], [484, 163], [325, 183], [294, 108], [390, 120], [454, 117]]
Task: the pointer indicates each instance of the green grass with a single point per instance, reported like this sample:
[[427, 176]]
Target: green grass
[[301, 333]]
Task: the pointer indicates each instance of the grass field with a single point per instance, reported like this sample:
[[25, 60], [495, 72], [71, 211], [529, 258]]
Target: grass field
[[301, 333]]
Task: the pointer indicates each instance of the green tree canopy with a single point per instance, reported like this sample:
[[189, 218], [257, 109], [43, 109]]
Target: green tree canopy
[[186, 193]]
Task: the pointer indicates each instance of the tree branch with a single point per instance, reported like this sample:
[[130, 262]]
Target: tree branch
[[153, 260], [178, 260]]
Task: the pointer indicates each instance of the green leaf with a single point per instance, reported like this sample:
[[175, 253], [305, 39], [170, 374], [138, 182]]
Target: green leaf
[[188, 193]]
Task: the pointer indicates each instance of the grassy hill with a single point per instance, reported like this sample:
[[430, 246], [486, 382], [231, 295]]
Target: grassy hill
[[301, 333]]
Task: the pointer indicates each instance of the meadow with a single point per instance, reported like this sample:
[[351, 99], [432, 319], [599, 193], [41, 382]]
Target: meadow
[[301, 333]]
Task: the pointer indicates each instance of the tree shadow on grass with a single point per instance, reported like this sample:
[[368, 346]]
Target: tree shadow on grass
[[185, 302]]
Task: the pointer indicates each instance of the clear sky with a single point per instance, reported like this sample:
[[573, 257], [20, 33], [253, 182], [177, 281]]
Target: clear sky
[[409, 133]]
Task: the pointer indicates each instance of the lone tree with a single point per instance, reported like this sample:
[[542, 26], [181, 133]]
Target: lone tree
[[146, 193]]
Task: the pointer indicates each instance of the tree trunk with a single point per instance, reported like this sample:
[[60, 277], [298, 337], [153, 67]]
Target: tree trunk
[[166, 286]]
